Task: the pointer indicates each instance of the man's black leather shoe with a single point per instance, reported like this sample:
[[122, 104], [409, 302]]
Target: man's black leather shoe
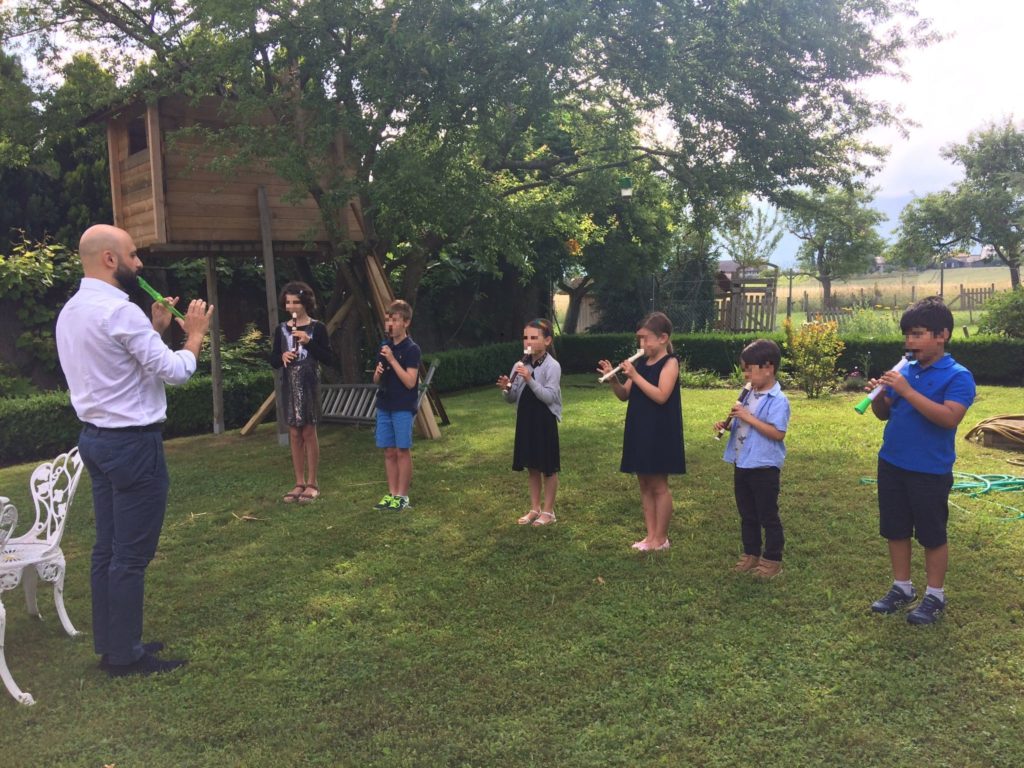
[[145, 665], [147, 648]]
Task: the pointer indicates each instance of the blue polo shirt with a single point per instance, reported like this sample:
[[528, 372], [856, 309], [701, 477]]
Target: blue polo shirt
[[749, 449], [912, 442]]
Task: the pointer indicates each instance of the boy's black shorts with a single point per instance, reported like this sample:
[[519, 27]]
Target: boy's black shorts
[[913, 504]]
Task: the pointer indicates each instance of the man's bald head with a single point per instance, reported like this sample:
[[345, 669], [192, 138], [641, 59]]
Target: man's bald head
[[105, 251]]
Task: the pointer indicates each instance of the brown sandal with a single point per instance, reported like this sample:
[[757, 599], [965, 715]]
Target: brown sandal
[[292, 496], [306, 497]]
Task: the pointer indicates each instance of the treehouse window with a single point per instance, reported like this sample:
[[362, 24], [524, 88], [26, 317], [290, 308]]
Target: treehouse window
[[137, 139]]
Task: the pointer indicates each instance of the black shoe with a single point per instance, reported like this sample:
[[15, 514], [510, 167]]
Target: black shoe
[[928, 611], [894, 599], [147, 648], [144, 666]]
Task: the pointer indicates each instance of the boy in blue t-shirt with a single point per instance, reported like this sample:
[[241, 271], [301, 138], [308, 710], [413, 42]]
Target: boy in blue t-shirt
[[397, 376], [757, 450], [922, 405]]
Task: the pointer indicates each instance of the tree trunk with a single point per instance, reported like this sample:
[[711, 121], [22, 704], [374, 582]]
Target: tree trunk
[[1014, 276], [347, 348], [826, 292], [576, 296]]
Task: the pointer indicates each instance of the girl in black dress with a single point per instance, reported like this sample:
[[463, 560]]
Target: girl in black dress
[[299, 344], [652, 445], [534, 386]]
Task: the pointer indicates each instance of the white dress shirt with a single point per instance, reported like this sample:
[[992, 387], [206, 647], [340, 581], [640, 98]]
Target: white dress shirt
[[116, 364]]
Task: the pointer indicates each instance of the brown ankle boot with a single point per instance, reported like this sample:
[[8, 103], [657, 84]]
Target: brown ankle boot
[[746, 563], [768, 569]]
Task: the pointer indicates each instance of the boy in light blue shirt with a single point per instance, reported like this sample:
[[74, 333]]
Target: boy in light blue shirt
[[757, 451]]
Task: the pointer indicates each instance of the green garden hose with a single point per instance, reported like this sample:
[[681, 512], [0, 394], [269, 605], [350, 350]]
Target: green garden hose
[[974, 486]]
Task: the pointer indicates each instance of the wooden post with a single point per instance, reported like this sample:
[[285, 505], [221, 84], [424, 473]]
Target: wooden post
[[270, 279], [217, 375]]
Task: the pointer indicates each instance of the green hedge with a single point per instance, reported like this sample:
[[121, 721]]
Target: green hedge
[[993, 360], [42, 426]]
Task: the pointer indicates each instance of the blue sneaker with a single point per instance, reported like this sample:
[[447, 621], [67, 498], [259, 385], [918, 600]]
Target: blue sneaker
[[893, 600], [385, 503], [928, 611]]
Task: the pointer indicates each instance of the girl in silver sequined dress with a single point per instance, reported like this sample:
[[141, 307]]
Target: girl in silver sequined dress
[[300, 344]]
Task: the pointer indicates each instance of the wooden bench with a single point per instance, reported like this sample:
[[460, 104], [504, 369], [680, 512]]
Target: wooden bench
[[357, 403]]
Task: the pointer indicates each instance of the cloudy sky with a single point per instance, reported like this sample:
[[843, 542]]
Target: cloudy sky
[[965, 82], [962, 83]]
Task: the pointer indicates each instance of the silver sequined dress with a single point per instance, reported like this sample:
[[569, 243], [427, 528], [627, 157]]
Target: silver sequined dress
[[300, 383]]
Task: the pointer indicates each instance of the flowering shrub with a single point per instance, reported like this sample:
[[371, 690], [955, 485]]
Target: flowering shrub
[[1004, 314], [814, 350]]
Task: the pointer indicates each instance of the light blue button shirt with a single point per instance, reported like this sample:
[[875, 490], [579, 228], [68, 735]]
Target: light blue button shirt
[[755, 450]]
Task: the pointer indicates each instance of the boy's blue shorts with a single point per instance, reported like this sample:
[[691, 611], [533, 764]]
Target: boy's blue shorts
[[394, 429]]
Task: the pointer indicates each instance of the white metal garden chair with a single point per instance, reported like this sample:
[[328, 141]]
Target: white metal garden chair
[[36, 554]]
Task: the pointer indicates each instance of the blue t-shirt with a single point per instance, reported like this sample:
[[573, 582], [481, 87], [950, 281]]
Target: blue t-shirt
[[912, 442], [392, 394], [749, 449]]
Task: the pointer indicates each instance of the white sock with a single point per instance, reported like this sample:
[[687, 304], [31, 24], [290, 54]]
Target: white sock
[[939, 592], [906, 586]]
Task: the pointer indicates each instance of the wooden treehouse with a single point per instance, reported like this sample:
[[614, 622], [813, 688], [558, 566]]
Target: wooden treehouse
[[169, 197], [177, 198]]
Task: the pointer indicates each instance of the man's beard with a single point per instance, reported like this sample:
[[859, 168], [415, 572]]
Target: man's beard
[[128, 279]]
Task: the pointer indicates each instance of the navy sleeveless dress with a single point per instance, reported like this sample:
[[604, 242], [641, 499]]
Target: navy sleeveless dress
[[652, 443]]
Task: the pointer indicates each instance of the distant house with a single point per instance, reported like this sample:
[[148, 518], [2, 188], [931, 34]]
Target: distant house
[[728, 267], [877, 265], [967, 260]]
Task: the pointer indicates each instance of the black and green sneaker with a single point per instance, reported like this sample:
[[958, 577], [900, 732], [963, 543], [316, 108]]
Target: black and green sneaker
[[385, 502]]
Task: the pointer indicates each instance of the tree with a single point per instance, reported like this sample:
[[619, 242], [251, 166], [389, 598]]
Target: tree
[[749, 236], [458, 101], [837, 228], [985, 208], [54, 179]]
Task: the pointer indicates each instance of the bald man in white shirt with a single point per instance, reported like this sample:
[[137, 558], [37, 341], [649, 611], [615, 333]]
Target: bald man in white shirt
[[117, 366]]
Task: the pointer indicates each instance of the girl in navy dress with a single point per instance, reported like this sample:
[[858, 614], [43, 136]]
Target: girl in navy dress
[[652, 445], [534, 386]]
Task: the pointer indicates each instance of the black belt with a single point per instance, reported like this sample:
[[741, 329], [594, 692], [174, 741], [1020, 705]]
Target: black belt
[[157, 427]]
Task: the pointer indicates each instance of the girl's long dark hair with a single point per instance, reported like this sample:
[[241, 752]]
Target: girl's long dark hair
[[658, 322], [306, 296]]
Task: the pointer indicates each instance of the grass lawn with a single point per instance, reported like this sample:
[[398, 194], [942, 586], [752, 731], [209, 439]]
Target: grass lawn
[[446, 635]]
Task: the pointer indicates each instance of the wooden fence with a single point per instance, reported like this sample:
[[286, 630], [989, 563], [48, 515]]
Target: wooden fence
[[750, 305], [972, 298]]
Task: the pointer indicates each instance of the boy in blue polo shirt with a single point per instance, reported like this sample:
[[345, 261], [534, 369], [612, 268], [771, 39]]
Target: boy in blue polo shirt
[[397, 376], [922, 407], [757, 451]]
